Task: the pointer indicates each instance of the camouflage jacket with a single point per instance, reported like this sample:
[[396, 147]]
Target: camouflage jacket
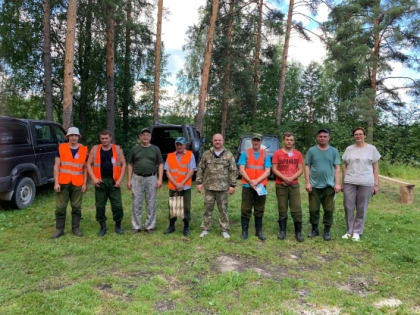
[[217, 173]]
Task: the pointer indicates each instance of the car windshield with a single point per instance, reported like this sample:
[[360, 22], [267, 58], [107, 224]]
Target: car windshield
[[268, 143]]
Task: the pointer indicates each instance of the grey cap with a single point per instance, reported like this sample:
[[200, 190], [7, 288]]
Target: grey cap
[[144, 130], [73, 131]]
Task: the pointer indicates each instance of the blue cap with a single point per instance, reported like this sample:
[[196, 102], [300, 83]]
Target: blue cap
[[323, 130], [180, 140]]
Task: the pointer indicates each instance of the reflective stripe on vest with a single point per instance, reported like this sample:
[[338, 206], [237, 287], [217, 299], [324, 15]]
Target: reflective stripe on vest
[[255, 168], [179, 170], [71, 168], [116, 161]]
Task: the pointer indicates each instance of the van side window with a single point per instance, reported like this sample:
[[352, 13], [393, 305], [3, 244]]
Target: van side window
[[43, 134], [13, 133], [59, 134]]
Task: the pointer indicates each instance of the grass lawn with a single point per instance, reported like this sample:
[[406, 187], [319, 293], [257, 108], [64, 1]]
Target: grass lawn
[[155, 273]]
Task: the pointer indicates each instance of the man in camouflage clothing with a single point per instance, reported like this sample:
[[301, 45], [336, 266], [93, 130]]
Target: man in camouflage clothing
[[217, 172]]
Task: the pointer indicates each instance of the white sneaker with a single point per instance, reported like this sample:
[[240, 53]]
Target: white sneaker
[[204, 233], [225, 235], [346, 236], [356, 237]]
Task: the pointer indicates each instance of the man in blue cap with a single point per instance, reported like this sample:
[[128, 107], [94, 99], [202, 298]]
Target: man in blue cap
[[180, 166]]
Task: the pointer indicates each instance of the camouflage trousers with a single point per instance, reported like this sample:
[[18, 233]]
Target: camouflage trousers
[[143, 187], [221, 197]]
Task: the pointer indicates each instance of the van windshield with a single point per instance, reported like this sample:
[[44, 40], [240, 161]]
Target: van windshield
[[269, 144]]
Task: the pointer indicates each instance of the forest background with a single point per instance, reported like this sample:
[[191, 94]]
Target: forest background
[[241, 46]]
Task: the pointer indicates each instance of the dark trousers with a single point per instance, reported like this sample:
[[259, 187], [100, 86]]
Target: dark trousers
[[107, 190], [251, 199], [289, 196], [187, 202], [324, 196], [68, 192]]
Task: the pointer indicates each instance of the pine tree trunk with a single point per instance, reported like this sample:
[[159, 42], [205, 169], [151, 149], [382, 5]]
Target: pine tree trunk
[[375, 57], [110, 62], [206, 68], [47, 62], [226, 77], [69, 64], [284, 63], [85, 69], [257, 58], [157, 62], [127, 76]]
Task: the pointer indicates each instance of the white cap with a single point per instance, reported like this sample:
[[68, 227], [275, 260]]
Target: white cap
[[73, 131]]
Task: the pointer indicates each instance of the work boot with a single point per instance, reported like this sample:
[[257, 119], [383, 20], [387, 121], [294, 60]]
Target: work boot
[[327, 235], [186, 231], [102, 231], [118, 228], [245, 225], [171, 227], [258, 228], [282, 225], [298, 231], [315, 231], [59, 225], [75, 225]]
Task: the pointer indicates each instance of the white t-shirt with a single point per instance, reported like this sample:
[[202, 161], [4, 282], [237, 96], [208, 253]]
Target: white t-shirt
[[359, 162]]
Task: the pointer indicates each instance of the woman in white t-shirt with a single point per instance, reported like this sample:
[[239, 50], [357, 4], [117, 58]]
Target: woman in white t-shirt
[[360, 181]]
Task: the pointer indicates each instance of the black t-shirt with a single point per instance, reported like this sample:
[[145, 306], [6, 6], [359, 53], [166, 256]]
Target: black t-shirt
[[106, 163]]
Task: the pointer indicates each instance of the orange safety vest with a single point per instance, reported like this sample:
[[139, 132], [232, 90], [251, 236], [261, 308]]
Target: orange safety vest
[[116, 164], [179, 170], [255, 168], [71, 169]]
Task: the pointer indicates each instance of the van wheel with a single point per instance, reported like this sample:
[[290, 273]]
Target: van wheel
[[24, 193]]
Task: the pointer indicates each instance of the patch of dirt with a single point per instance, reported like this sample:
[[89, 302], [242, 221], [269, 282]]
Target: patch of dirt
[[391, 302], [55, 288], [164, 306], [358, 285], [227, 263], [106, 289], [312, 309], [416, 309]]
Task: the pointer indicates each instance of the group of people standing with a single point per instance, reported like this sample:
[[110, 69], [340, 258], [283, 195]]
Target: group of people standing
[[217, 177]]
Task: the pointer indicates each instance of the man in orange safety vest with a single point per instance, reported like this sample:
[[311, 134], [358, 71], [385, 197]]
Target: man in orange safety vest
[[180, 166], [70, 181], [106, 167]]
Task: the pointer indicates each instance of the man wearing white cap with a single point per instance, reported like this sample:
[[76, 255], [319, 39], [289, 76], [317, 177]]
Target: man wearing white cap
[[70, 181]]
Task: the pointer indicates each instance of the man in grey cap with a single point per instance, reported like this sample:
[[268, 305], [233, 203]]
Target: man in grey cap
[[180, 166], [70, 178], [254, 166], [145, 160]]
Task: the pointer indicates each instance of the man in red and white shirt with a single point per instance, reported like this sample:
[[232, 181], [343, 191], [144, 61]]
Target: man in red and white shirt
[[288, 166]]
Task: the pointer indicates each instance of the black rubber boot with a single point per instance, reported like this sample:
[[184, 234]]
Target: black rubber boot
[[118, 228], [282, 225], [186, 231], [59, 225], [315, 231], [171, 227], [327, 235], [75, 225], [102, 231], [245, 225], [298, 231], [258, 228]]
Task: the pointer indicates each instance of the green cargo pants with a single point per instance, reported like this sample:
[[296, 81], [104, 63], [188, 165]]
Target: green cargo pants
[[107, 190], [324, 196], [187, 202], [68, 192], [251, 199], [289, 196]]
